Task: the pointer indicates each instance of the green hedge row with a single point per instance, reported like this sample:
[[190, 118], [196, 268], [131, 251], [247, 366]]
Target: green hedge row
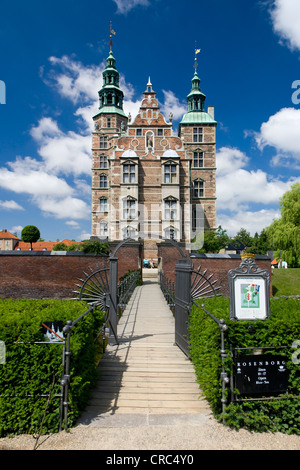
[[282, 328], [36, 369]]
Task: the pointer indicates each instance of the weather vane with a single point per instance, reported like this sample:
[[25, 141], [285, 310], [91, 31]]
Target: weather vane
[[112, 32], [196, 52]]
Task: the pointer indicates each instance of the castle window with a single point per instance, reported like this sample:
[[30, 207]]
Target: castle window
[[108, 122], [160, 132], [170, 173], [197, 134], [103, 229], [129, 173], [109, 99], [198, 160], [103, 204], [170, 209], [198, 188], [129, 208], [138, 132], [103, 161], [103, 141], [103, 181]]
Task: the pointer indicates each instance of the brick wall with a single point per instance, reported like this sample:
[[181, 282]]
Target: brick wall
[[36, 274], [216, 264]]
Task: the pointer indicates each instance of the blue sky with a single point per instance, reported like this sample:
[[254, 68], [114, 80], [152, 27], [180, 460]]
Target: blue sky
[[52, 57]]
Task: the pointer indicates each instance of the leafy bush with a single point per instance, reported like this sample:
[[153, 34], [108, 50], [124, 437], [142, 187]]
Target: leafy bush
[[282, 328], [36, 369]]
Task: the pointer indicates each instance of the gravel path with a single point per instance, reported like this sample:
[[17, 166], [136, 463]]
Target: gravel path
[[184, 433]]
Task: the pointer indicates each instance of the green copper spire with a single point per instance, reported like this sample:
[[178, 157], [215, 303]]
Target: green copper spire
[[111, 96], [196, 101]]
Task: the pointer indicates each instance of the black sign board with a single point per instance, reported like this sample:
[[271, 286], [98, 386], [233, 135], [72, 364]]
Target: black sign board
[[260, 374]]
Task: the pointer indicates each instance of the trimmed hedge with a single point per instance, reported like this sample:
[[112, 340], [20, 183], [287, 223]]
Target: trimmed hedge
[[282, 328], [35, 369]]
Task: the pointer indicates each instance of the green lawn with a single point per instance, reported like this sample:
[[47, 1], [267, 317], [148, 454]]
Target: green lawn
[[286, 281]]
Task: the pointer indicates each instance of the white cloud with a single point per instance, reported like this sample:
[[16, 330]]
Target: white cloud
[[77, 82], [281, 131], [124, 6], [285, 16], [16, 229], [11, 205], [69, 207], [29, 177], [238, 187], [172, 104], [67, 153], [246, 198], [252, 221]]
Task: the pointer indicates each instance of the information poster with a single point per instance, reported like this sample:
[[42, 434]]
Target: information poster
[[250, 298]]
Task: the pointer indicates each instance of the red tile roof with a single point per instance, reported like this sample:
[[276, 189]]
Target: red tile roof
[[4, 234]]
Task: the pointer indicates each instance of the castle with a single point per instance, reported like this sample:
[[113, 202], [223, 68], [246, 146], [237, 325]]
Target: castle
[[146, 181]]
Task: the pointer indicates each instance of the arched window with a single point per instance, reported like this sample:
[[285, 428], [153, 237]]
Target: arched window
[[149, 139]]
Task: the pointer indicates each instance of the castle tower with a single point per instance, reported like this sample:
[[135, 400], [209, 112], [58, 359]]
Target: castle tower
[[197, 130], [109, 124]]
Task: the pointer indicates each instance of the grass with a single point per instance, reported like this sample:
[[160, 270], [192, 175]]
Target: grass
[[286, 281]]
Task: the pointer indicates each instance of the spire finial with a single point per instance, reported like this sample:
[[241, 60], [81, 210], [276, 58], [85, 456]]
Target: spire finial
[[196, 52], [112, 32]]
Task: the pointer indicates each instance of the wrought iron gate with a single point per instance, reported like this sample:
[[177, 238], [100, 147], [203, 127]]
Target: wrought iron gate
[[190, 285]]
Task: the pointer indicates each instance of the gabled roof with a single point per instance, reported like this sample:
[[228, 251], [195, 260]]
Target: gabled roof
[[4, 234]]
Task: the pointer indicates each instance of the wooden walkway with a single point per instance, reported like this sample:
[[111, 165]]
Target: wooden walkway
[[146, 374]]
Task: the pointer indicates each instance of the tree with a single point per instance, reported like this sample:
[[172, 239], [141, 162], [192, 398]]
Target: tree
[[94, 246], [214, 241], [30, 234], [284, 233]]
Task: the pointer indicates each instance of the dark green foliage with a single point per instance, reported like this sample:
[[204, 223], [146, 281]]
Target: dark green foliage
[[281, 329], [94, 247], [35, 369], [30, 234]]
